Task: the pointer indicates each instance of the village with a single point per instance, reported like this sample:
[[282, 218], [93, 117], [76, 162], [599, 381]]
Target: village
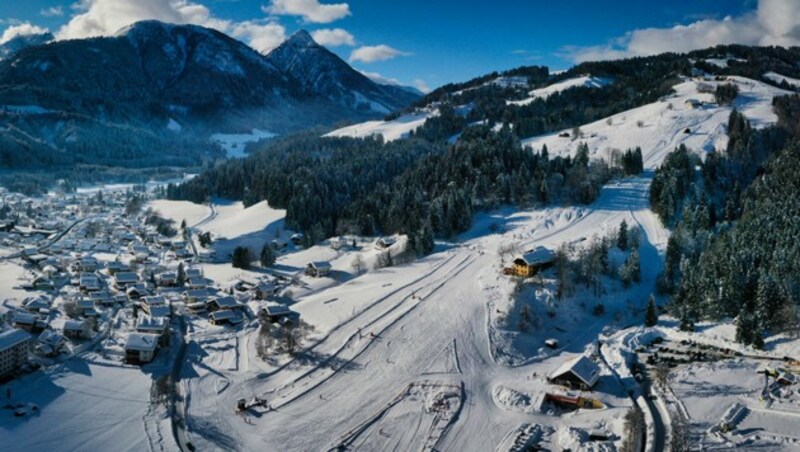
[[99, 272], [96, 276]]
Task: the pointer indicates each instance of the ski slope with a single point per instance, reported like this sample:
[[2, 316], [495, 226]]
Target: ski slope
[[390, 130], [585, 81], [660, 127]]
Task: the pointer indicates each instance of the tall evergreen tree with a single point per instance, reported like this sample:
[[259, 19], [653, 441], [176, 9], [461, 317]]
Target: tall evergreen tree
[[622, 236], [651, 314], [267, 257]]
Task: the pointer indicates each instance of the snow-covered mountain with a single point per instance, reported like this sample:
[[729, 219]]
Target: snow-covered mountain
[[320, 71], [184, 81], [18, 43]]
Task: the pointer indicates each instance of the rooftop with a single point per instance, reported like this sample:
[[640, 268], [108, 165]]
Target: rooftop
[[12, 337], [141, 341]]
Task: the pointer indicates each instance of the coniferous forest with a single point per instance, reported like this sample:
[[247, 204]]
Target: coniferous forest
[[734, 251]]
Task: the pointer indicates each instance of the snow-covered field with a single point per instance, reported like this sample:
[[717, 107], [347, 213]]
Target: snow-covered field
[[586, 81], [84, 404], [660, 127], [390, 130], [11, 276], [778, 78], [179, 211], [234, 144]]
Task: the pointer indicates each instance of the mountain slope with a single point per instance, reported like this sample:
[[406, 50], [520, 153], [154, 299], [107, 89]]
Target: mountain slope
[[320, 71], [174, 85], [18, 43]]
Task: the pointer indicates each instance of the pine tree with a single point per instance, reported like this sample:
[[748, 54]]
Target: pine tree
[[622, 236], [267, 257], [744, 327], [180, 279], [427, 240], [758, 338], [241, 258], [768, 301], [651, 315], [673, 258]]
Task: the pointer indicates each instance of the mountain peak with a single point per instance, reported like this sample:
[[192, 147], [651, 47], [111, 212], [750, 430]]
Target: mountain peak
[[302, 37]]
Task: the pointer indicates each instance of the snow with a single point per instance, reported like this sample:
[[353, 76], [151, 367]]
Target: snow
[[586, 81], [85, 404], [234, 143], [178, 211], [25, 109], [659, 128], [723, 62], [174, 126], [778, 78], [11, 276], [390, 130]]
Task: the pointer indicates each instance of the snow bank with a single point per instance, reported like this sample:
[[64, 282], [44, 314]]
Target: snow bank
[[513, 400]]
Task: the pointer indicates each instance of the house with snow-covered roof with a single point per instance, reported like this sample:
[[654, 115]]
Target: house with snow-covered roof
[[578, 372], [533, 261], [141, 347], [318, 269]]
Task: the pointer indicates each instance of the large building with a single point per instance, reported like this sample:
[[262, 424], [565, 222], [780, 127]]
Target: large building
[[14, 348]]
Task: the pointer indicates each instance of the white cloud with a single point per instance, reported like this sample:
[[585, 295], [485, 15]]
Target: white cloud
[[333, 37], [380, 79], [22, 29], [53, 11], [422, 86], [370, 54], [309, 10], [774, 22], [106, 17], [262, 36]]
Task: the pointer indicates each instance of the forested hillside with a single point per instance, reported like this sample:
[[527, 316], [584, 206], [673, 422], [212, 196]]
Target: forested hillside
[[343, 185], [734, 252]]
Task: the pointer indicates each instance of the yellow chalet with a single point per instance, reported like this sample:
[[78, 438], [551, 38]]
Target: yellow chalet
[[533, 261]]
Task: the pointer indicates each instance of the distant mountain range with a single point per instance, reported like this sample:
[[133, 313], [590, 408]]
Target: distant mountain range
[[17, 43], [70, 95]]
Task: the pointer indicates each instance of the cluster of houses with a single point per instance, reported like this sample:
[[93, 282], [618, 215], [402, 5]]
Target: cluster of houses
[[87, 260]]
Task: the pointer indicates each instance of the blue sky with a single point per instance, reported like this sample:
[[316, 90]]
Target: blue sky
[[432, 42]]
